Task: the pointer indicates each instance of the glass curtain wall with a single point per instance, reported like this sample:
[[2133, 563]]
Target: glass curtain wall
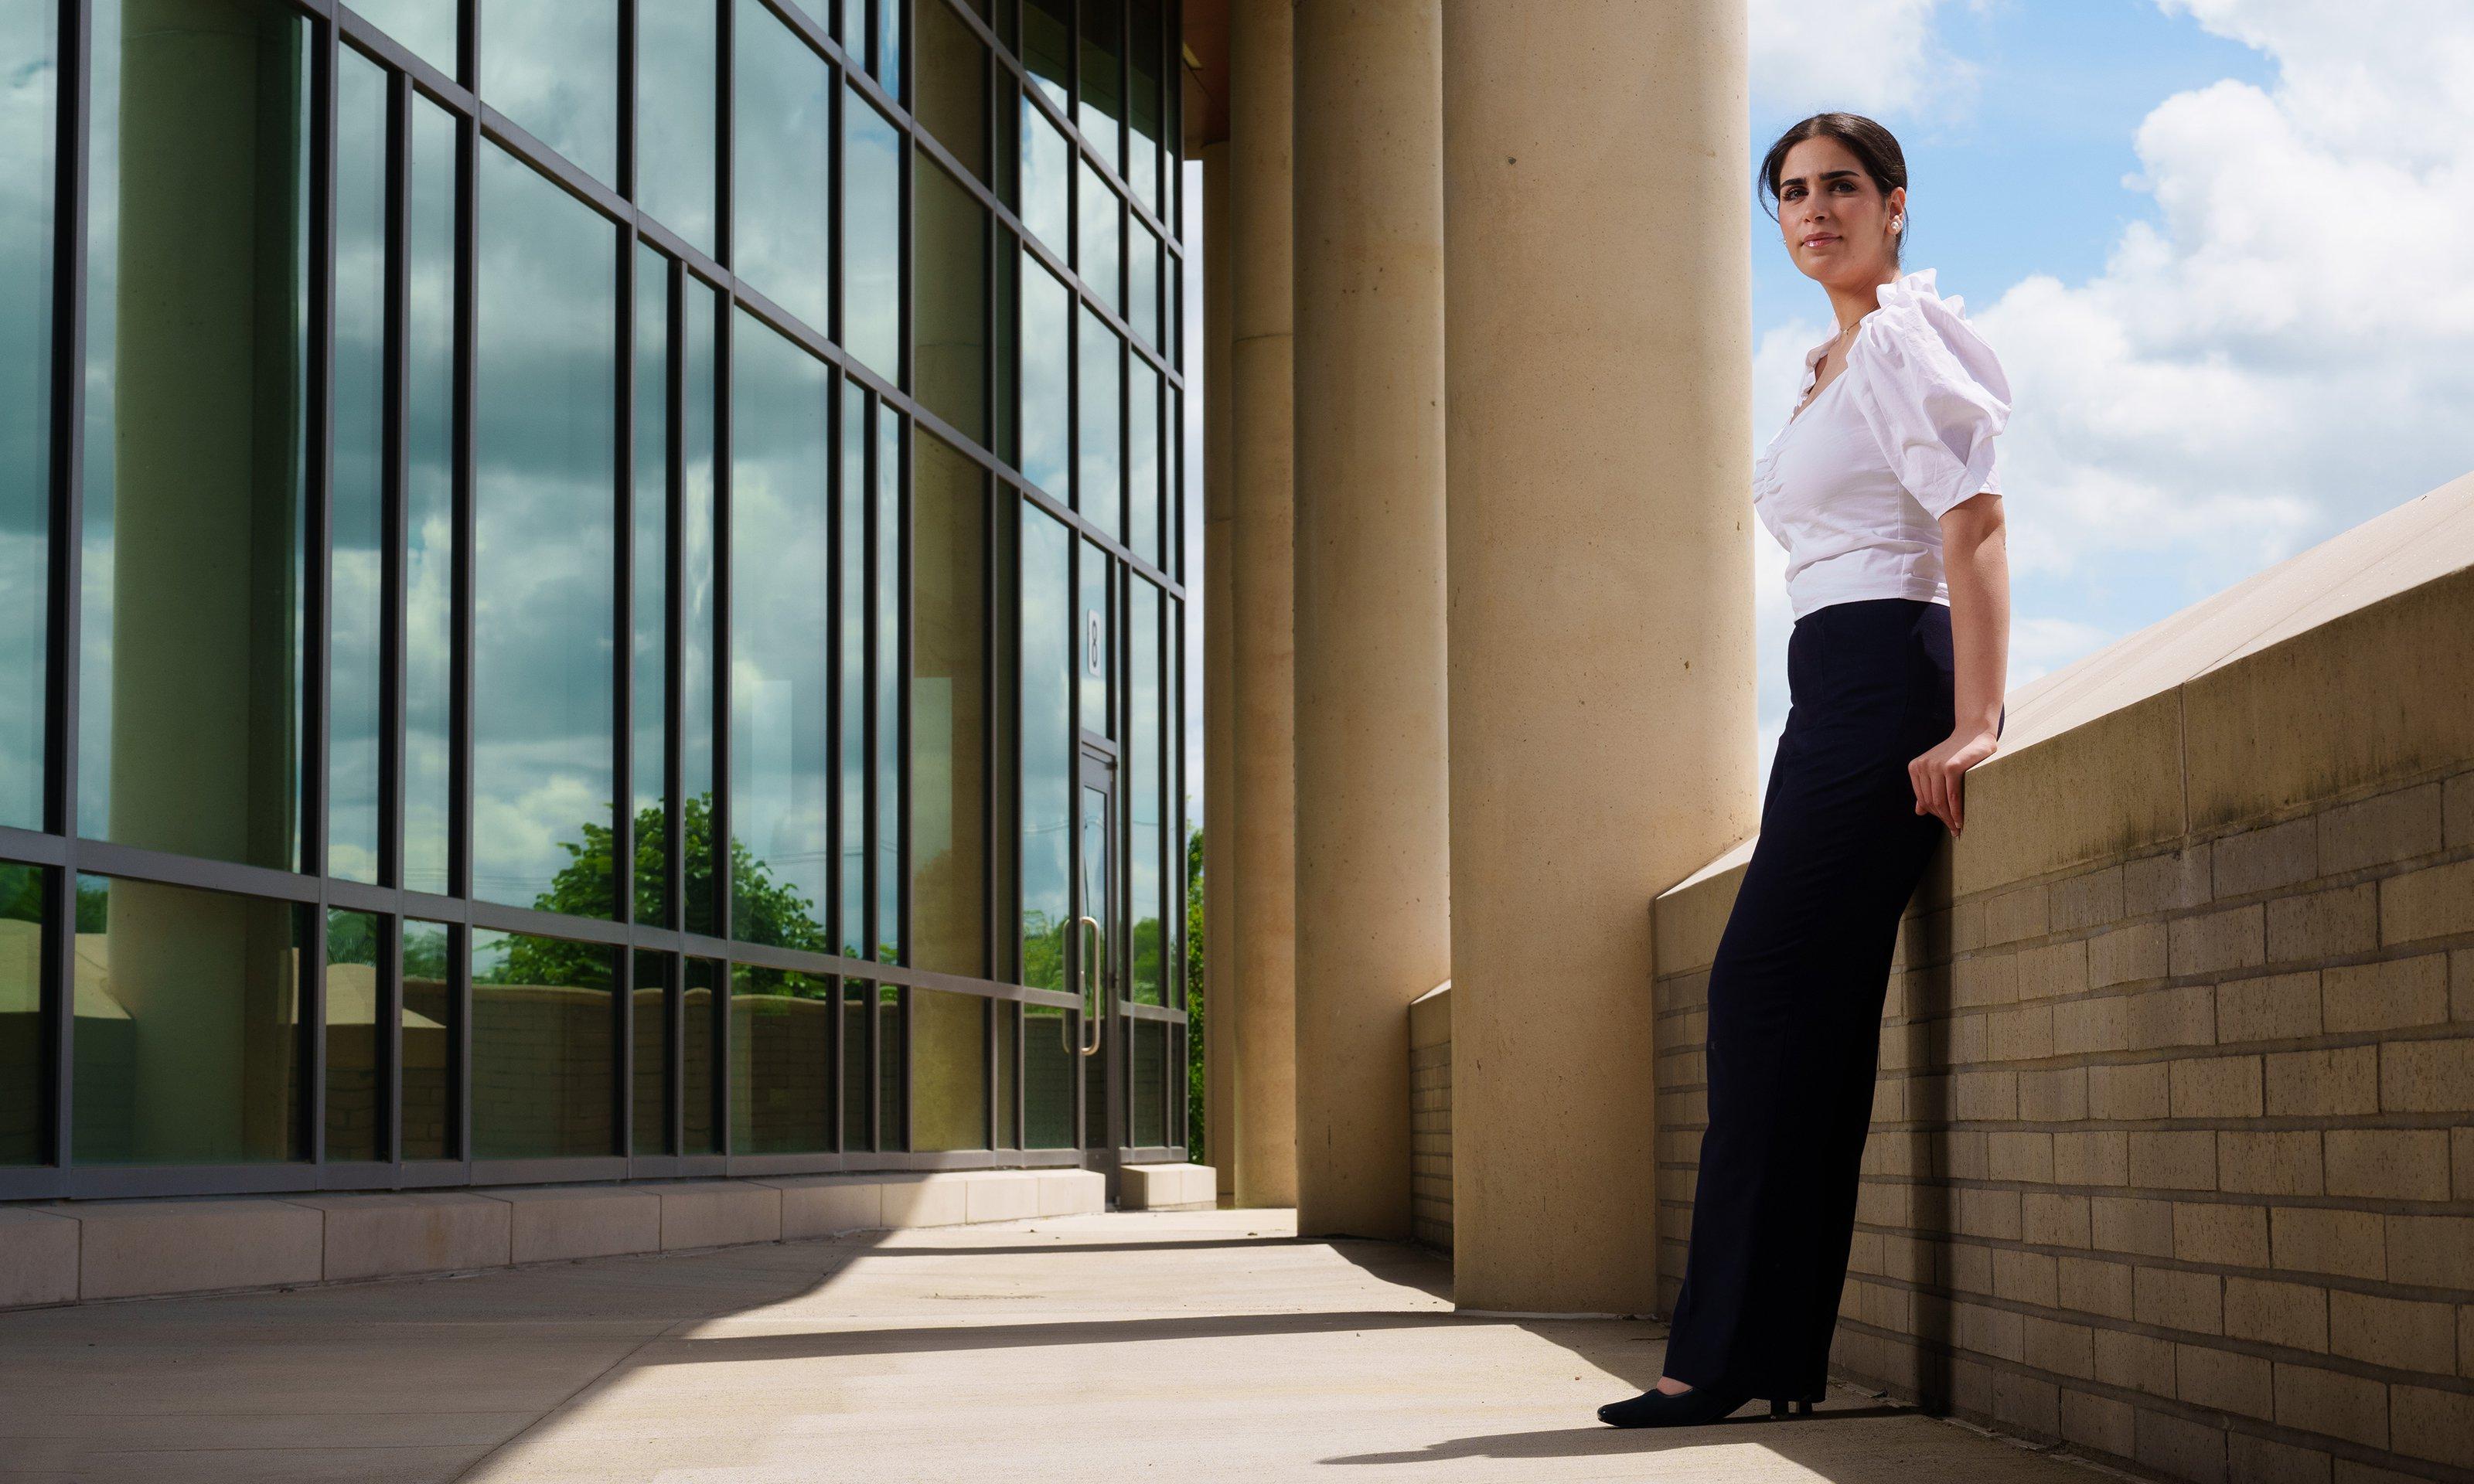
[[566, 650]]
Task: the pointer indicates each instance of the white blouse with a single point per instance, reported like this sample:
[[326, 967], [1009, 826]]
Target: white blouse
[[1855, 484]]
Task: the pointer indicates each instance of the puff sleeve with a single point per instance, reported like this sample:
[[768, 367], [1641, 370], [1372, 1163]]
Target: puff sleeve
[[1932, 392]]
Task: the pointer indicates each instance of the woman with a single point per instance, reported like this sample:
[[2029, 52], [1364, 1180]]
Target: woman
[[1881, 486]]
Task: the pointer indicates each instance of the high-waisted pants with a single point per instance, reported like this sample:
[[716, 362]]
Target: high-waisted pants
[[1796, 993]]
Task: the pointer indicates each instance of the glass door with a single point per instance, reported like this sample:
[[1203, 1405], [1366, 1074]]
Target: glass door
[[1097, 965]]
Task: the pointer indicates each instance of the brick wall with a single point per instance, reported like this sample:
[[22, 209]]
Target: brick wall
[[2172, 1144], [1430, 1118]]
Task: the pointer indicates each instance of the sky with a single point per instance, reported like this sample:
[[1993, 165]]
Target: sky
[[2218, 245]]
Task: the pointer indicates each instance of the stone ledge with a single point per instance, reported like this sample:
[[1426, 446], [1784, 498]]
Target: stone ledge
[[39, 1258], [127, 1249], [1168, 1187], [72, 1251], [390, 1235]]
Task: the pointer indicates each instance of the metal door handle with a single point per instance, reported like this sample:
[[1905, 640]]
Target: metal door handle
[[1092, 989]]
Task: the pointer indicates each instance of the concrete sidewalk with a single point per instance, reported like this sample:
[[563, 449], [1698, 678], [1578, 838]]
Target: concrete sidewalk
[[1174, 1346]]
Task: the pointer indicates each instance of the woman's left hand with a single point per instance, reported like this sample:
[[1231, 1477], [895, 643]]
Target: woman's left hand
[[1940, 776]]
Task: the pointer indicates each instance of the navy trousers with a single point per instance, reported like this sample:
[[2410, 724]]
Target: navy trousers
[[1796, 992]]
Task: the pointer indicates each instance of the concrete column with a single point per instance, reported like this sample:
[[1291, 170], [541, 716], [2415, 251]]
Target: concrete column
[[1219, 693], [1373, 902], [1598, 437], [1261, 449]]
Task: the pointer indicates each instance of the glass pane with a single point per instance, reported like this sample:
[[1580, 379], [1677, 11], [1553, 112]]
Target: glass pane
[[951, 299], [781, 1061], [859, 1049], [1091, 939], [430, 497], [780, 767], [1005, 318], [1099, 490], [29, 53], [853, 28], [697, 613], [1047, 171], [649, 666], [1143, 462], [1047, 366], [871, 238], [1046, 35], [544, 379], [1096, 1130], [427, 28], [950, 1071], [678, 51], [357, 604], [1008, 1021], [889, 738], [1049, 1068], [1143, 109], [952, 85], [23, 1045], [195, 461], [543, 1062], [1103, 103], [699, 1131], [650, 1026], [1005, 688], [1184, 901], [783, 208], [552, 67], [429, 1103], [188, 1034], [1143, 284], [1148, 1084], [889, 41], [1097, 248], [851, 690], [355, 1055], [948, 713], [1047, 748], [893, 1070], [1096, 632], [1145, 792]]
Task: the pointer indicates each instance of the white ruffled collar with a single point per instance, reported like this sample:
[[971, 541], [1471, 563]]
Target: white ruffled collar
[[1908, 292]]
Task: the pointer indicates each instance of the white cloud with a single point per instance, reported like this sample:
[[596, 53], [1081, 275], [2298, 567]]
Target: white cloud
[[2279, 355], [1874, 57]]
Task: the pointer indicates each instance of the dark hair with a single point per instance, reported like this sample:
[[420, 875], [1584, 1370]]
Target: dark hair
[[1873, 147]]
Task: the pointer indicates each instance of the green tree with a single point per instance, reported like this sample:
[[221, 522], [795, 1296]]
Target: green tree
[[1196, 1100], [764, 909]]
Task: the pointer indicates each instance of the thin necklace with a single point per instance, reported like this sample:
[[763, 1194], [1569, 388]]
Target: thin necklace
[[1816, 371]]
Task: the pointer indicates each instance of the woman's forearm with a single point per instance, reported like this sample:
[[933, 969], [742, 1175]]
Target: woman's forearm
[[1975, 563]]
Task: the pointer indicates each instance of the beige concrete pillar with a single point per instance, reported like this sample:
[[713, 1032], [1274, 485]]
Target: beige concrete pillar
[[1261, 448], [1598, 439], [1373, 906], [1219, 693]]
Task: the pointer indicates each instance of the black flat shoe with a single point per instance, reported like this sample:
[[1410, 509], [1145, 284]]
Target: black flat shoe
[[1694, 1408], [1655, 1408]]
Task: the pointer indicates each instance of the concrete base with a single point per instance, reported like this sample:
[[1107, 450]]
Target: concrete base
[[67, 1251], [1168, 1187]]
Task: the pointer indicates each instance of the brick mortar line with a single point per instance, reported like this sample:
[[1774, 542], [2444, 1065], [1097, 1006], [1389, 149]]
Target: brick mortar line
[[2135, 1325], [2298, 1277], [2454, 1208], [2190, 839], [2145, 1401]]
